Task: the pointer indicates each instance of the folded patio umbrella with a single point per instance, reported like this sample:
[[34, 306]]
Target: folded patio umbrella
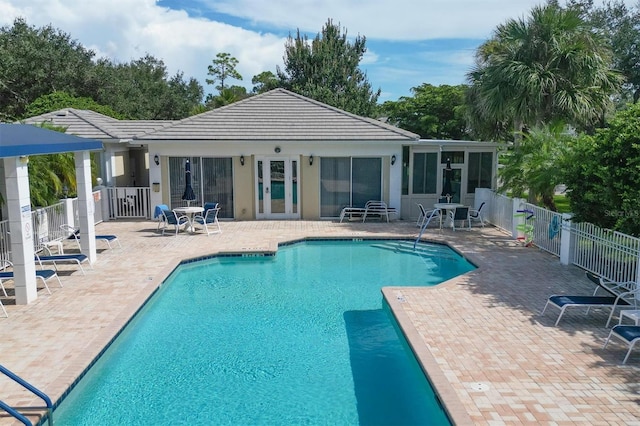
[[447, 190], [188, 194]]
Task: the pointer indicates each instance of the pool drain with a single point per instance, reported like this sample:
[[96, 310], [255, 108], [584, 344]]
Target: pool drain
[[479, 387]]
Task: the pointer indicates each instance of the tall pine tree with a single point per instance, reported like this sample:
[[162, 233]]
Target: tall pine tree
[[327, 70]]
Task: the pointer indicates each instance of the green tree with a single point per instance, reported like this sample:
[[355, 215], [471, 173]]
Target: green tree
[[327, 70], [602, 174], [547, 67], [619, 26], [60, 100], [533, 166], [264, 82], [50, 174], [143, 90], [433, 112], [36, 62], [226, 97], [222, 69]]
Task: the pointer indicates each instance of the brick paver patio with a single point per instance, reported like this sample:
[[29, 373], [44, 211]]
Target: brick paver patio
[[492, 357]]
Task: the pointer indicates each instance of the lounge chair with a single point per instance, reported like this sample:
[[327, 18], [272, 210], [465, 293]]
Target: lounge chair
[[351, 212], [377, 208], [563, 302], [42, 274], [612, 287], [628, 333], [170, 217], [73, 233], [209, 218], [78, 259]]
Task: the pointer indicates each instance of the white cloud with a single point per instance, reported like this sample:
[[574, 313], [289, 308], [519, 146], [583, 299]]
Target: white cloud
[[124, 30]]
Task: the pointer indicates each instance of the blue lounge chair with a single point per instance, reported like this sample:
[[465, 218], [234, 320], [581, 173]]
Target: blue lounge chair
[[78, 259], [42, 274], [611, 287], [628, 333], [75, 234], [563, 302]]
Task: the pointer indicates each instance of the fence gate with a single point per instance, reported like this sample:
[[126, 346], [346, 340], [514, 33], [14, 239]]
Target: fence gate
[[129, 202]]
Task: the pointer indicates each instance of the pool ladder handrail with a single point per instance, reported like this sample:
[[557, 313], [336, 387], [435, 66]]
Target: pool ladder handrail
[[424, 226], [12, 411]]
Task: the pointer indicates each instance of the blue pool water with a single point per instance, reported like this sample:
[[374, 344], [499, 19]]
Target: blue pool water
[[302, 337]]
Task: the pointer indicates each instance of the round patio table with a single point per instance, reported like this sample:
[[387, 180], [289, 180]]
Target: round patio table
[[189, 212], [446, 207]]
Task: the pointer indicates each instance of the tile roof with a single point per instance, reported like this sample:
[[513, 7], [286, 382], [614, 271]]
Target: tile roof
[[275, 115], [90, 124], [279, 115]]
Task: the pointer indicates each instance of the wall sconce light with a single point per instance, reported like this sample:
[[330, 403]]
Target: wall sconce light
[[156, 186], [242, 160], [393, 159], [24, 159], [156, 159], [311, 160], [277, 150]]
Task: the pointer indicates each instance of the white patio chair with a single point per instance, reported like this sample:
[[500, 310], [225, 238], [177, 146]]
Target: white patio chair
[[170, 217], [424, 215], [475, 215], [460, 214], [209, 220]]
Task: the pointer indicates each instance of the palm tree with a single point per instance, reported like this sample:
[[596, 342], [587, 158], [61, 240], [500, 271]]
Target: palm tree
[[548, 67], [533, 166]]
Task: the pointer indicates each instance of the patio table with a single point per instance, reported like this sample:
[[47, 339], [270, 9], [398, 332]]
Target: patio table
[[446, 207], [189, 212]]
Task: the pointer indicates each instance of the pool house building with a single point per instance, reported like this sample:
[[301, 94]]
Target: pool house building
[[277, 155]]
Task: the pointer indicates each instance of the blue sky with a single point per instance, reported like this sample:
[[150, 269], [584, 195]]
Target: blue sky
[[409, 42]]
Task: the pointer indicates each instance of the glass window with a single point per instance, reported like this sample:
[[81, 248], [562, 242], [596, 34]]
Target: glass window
[[211, 179], [480, 165], [348, 182], [366, 180], [335, 185], [177, 180], [425, 172], [217, 184], [457, 157]]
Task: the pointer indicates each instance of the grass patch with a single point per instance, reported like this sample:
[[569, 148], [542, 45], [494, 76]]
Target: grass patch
[[562, 203]]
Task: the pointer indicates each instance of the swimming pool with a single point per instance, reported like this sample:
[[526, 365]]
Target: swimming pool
[[302, 337]]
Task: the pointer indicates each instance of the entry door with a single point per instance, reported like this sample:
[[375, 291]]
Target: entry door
[[277, 188]]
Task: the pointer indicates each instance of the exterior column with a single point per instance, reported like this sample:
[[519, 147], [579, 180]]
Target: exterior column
[[567, 240], [86, 205], [517, 220], [18, 201]]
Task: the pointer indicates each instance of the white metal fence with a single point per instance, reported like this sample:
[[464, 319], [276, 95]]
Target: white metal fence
[[46, 224], [607, 253], [500, 211]]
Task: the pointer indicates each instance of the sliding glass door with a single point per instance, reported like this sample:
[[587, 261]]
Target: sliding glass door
[[211, 179], [347, 181]]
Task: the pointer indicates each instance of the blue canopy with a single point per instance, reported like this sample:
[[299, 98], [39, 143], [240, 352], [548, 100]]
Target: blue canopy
[[18, 140]]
